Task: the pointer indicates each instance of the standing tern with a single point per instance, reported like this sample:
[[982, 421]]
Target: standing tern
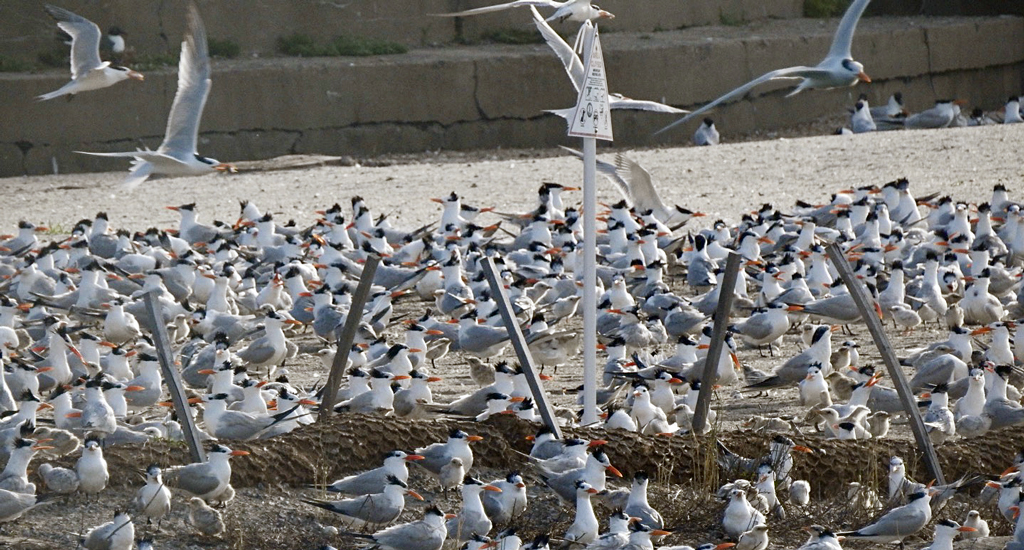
[[373, 481], [471, 520], [428, 533], [374, 509], [177, 155], [206, 480], [88, 72], [898, 523], [118, 534], [571, 10], [837, 70], [706, 134]]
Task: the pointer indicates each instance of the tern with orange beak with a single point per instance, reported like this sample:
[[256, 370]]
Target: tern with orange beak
[[88, 72], [837, 70], [206, 480], [898, 523], [593, 472], [223, 423], [374, 510], [428, 533], [271, 349], [437, 455], [178, 154], [373, 481], [471, 519]]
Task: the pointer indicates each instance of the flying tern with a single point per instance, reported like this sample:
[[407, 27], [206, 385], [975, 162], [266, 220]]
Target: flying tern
[[177, 155], [837, 70], [88, 72], [571, 10], [575, 69]]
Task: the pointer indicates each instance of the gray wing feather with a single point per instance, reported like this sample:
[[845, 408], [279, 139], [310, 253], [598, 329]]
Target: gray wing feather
[[196, 479], [790, 72], [194, 82], [500, 7], [411, 536], [85, 39], [571, 61], [260, 351], [843, 41], [641, 188], [905, 521], [368, 482]]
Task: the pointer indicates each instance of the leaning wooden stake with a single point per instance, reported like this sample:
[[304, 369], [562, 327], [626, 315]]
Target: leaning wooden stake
[[519, 344], [868, 312], [172, 377], [726, 292], [345, 335]]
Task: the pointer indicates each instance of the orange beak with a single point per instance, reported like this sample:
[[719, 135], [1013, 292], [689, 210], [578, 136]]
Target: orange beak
[[239, 453]]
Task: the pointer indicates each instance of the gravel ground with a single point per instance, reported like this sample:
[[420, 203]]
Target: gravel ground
[[722, 181]]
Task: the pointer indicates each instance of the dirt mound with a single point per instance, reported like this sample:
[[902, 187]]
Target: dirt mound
[[350, 443]]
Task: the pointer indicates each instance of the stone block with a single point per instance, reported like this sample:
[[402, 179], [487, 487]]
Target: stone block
[[520, 85], [993, 41], [876, 52]]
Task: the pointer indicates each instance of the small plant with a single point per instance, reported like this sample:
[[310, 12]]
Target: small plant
[[148, 62], [10, 65], [302, 45], [358, 46], [227, 49], [512, 36], [825, 8]]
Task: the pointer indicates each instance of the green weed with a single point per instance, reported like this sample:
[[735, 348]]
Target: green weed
[[825, 8], [226, 49], [301, 45]]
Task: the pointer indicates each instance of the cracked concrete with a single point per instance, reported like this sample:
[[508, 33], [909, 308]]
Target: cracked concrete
[[493, 96]]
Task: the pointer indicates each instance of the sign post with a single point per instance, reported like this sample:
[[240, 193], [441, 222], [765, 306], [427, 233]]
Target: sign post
[[591, 121]]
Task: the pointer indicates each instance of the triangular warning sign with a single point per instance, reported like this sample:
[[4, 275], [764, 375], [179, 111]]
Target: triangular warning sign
[[592, 116]]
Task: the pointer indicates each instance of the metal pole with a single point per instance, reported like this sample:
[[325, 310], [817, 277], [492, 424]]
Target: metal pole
[[515, 334], [589, 264], [172, 377], [726, 292], [866, 305], [345, 335]]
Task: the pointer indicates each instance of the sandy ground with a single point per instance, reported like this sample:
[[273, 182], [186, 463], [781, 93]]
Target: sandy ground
[[722, 181]]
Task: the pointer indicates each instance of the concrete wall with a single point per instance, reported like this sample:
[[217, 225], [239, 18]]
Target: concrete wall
[[155, 26], [485, 97]]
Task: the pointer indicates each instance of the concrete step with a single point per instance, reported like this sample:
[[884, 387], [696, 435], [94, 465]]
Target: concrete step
[[493, 96], [156, 27]]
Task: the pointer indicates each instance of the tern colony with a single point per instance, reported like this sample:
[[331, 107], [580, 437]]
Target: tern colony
[[237, 296], [234, 295]]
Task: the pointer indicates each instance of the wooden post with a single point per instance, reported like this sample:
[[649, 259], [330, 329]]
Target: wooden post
[[172, 377], [345, 335], [865, 303], [519, 344], [726, 292]]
